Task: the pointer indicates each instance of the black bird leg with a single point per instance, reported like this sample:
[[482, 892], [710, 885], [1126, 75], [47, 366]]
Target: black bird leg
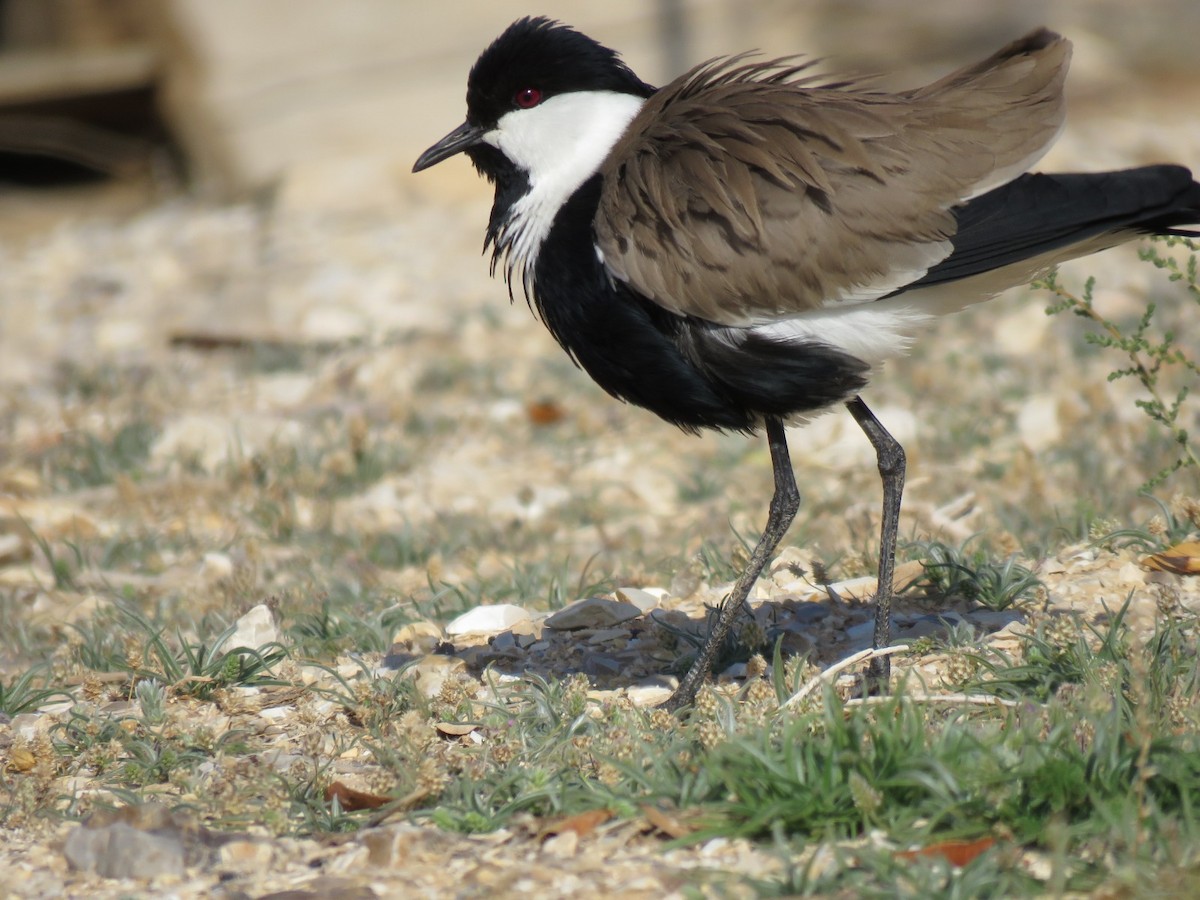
[[784, 504], [890, 455]]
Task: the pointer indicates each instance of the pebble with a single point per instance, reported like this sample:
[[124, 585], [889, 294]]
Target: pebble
[[644, 599], [592, 612], [805, 614], [431, 672], [12, 549], [27, 725], [995, 619], [488, 619], [601, 665], [795, 643], [121, 851], [255, 630], [652, 691], [1038, 422], [245, 855], [505, 642], [422, 636], [864, 630], [604, 635], [926, 626], [216, 567], [144, 840]]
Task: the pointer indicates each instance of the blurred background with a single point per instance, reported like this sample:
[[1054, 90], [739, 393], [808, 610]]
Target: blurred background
[[215, 261], [227, 96]]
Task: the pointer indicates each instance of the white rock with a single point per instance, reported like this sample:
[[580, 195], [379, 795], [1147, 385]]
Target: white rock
[[121, 336], [506, 410], [211, 439], [644, 599], [1038, 423], [651, 692], [255, 629], [422, 635], [592, 612], [216, 567], [333, 323], [1131, 573], [12, 548], [433, 671], [27, 725], [488, 619]]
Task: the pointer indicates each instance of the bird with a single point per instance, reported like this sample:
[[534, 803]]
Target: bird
[[742, 248]]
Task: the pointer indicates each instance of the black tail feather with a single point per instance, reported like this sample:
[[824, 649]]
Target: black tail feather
[[1037, 214]]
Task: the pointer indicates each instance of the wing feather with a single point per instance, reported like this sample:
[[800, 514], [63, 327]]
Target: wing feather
[[749, 191]]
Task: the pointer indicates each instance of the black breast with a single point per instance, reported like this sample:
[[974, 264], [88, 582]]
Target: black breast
[[690, 372]]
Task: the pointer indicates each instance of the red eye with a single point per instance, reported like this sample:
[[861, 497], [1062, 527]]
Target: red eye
[[527, 98]]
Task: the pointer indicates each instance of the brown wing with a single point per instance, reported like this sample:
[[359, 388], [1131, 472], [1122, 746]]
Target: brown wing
[[746, 192]]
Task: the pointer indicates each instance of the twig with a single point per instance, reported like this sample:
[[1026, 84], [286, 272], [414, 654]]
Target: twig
[[833, 671], [974, 699]]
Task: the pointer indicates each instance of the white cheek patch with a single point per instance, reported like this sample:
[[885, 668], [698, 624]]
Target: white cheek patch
[[559, 145]]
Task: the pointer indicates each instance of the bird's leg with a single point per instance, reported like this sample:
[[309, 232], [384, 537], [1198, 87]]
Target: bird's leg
[[784, 503], [890, 455]]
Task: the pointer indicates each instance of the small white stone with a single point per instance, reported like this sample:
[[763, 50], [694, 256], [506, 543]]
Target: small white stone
[[562, 846], [1038, 423], [255, 630], [644, 599], [26, 725], [433, 671], [333, 323], [12, 548], [650, 692], [1132, 573], [506, 410], [488, 619], [216, 567]]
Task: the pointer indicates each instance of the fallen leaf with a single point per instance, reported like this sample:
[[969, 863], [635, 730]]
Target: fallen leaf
[[582, 824], [665, 822], [1182, 559], [545, 412], [21, 760], [353, 800], [957, 853], [454, 729]]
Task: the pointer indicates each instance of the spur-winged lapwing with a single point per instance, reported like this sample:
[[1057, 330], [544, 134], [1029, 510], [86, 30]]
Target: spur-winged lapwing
[[742, 247]]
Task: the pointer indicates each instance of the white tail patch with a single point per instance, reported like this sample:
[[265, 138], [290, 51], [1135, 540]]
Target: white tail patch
[[872, 332]]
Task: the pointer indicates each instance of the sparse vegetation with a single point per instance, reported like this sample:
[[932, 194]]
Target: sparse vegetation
[[956, 574], [1161, 360]]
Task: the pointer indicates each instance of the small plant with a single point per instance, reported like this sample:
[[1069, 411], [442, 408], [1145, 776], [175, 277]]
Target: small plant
[[198, 668], [82, 459], [152, 698], [64, 570], [1150, 356], [1060, 651], [954, 573], [27, 692], [1175, 523]]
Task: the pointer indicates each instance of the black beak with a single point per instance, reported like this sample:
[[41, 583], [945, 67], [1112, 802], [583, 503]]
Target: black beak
[[464, 136]]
